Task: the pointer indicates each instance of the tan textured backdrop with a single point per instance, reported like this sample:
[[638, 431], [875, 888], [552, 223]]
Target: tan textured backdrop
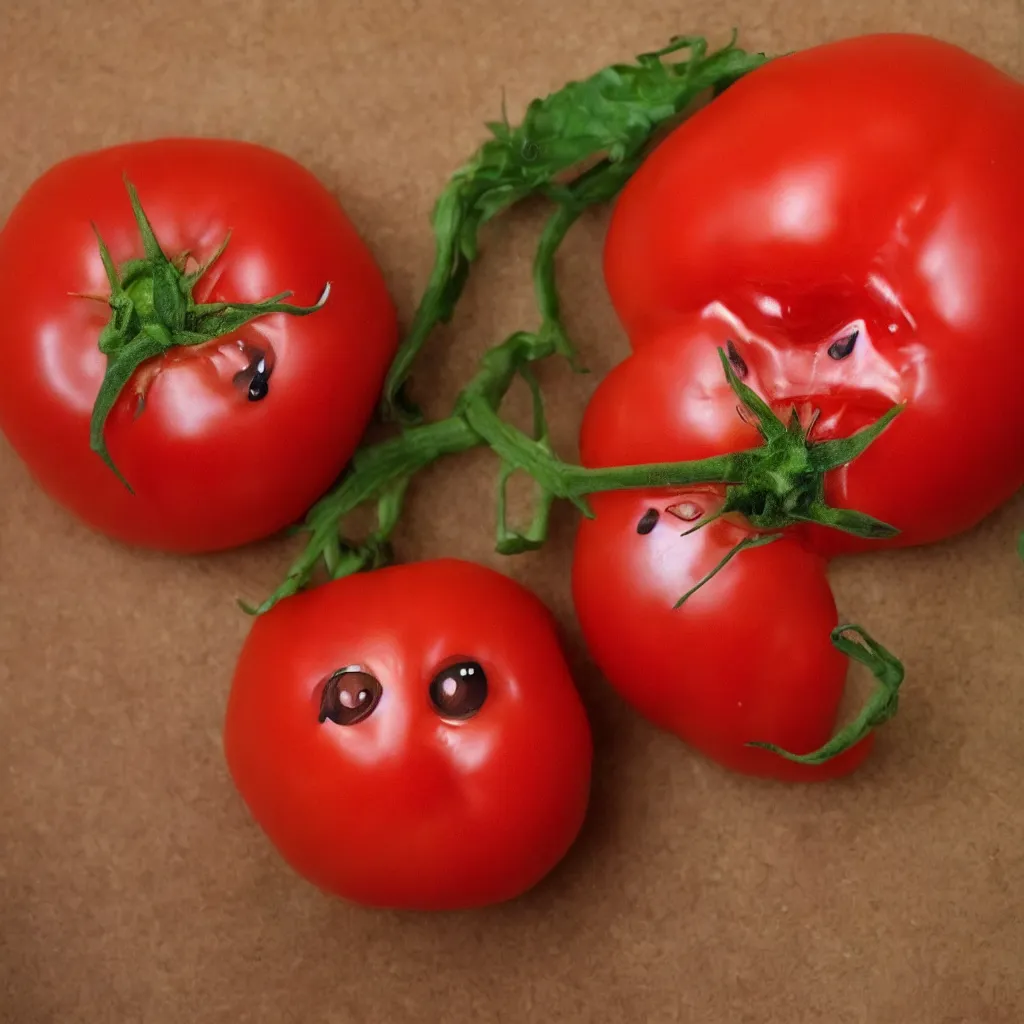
[[133, 887]]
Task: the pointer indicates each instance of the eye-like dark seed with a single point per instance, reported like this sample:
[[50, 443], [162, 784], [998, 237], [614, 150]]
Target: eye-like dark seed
[[738, 362], [841, 348], [260, 383], [459, 690], [647, 521], [349, 696]]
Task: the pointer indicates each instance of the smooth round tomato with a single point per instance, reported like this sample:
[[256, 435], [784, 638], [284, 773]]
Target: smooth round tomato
[[850, 217], [747, 658], [411, 737], [221, 443]]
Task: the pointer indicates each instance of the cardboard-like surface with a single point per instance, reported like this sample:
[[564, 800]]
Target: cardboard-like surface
[[134, 887]]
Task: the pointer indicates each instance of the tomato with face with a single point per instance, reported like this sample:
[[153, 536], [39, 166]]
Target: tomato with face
[[222, 441], [850, 218], [411, 737]]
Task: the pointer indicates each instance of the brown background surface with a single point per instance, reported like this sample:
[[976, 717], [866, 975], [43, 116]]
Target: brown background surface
[[133, 886]]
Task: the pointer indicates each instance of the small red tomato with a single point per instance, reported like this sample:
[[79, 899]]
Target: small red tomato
[[222, 441], [411, 737]]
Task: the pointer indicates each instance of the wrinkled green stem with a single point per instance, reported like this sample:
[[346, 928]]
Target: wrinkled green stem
[[610, 116]]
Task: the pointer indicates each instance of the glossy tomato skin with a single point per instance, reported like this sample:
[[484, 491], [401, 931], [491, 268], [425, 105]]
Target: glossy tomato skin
[[210, 469], [408, 808], [870, 185], [746, 658]]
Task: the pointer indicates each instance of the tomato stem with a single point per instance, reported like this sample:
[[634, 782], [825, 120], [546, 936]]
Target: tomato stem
[[381, 472]]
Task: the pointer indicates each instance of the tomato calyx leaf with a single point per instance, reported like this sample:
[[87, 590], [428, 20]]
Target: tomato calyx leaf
[[889, 673], [756, 540], [168, 297], [611, 116], [153, 310]]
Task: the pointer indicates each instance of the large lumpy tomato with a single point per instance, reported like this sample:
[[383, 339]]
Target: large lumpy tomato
[[850, 217], [221, 442], [411, 737]]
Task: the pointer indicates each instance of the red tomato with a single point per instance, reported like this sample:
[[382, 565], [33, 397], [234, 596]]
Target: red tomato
[[851, 217], [411, 737], [747, 658], [210, 468]]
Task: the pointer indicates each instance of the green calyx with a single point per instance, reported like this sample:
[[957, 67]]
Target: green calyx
[[785, 482], [782, 483], [152, 310], [611, 116], [883, 703]]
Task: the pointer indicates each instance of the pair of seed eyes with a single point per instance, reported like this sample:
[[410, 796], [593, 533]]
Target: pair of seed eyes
[[351, 694], [839, 349]]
